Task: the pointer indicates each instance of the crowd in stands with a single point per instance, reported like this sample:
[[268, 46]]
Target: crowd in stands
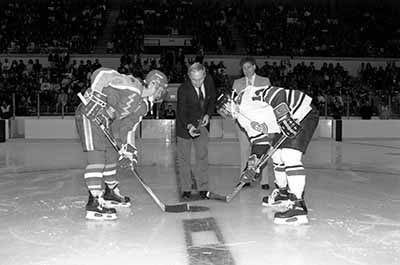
[[335, 91], [274, 28], [267, 28], [60, 28], [39, 26], [208, 24], [54, 88]]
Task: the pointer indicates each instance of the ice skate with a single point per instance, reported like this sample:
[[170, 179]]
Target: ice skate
[[278, 197], [295, 215], [96, 210], [113, 197]]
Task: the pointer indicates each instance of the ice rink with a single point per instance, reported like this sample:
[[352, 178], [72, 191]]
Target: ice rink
[[353, 196]]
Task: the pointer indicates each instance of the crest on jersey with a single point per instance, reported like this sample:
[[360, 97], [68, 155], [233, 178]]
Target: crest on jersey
[[260, 127]]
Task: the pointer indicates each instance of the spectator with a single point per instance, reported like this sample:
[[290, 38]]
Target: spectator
[[248, 66], [196, 102], [384, 113], [62, 101], [5, 110], [366, 110], [169, 113]]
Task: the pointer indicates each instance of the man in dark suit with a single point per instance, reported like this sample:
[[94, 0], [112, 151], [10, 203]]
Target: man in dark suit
[[248, 66], [196, 103]]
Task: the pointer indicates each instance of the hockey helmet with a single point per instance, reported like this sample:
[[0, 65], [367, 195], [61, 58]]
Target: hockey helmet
[[162, 83], [158, 76]]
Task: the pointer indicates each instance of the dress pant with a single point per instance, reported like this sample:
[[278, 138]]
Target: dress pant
[[200, 168]]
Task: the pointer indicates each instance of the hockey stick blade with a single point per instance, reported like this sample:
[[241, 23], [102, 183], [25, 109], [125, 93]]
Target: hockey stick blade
[[215, 196], [172, 208], [177, 208], [226, 198]]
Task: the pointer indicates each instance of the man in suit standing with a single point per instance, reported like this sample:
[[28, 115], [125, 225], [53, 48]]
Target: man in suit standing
[[248, 66], [196, 103]]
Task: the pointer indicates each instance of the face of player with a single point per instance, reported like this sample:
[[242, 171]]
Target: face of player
[[197, 78], [155, 91], [248, 69]]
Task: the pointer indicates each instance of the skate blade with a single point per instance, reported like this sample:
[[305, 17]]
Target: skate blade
[[278, 204], [113, 204], [100, 216], [295, 220]]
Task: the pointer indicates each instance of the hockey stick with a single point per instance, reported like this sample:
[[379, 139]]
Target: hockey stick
[[263, 160], [171, 208]]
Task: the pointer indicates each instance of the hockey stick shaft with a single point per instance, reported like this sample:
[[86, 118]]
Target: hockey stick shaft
[[260, 163], [164, 208], [238, 188], [114, 143]]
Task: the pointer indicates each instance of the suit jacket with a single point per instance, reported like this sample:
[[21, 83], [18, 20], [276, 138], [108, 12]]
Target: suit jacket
[[240, 84], [188, 109]]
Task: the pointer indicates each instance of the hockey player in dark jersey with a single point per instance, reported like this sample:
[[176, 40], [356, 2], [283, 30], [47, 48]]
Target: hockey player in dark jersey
[[119, 101], [297, 119]]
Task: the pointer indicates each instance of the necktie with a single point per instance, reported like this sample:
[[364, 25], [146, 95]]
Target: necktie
[[201, 99], [249, 82]]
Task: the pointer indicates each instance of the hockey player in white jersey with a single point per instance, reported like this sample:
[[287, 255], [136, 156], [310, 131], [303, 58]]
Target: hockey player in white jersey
[[120, 102], [283, 109]]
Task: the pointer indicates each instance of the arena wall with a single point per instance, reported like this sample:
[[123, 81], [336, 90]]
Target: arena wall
[[58, 128]]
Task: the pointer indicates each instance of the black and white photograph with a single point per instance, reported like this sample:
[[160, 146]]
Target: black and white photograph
[[200, 132]]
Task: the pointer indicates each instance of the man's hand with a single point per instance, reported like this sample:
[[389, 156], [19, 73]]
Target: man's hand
[[205, 120], [128, 156], [193, 131]]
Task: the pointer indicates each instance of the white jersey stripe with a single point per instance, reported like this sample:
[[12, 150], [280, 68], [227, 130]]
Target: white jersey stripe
[[98, 78], [131, 88], [274, 95], [93, 175], [110, 173], [95, 166], [111, 165], [299, 102], [94, 187], [87, 129]]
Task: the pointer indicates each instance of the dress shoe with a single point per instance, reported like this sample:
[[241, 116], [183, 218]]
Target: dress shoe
[[203, 194], [265, 186], [186, 195]]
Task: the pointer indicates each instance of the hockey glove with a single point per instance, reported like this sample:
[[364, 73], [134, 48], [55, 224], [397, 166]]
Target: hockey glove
[[128, 156], [226, 107], [250, 173], [288, 125], [95, 104]]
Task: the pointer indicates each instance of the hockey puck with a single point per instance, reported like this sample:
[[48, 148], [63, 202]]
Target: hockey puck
[[198, 208]]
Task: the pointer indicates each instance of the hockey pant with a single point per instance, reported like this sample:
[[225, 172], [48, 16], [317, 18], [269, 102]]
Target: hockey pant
[[101, 156]]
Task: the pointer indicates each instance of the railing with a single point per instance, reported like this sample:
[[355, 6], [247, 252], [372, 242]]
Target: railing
[[40, 105]]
